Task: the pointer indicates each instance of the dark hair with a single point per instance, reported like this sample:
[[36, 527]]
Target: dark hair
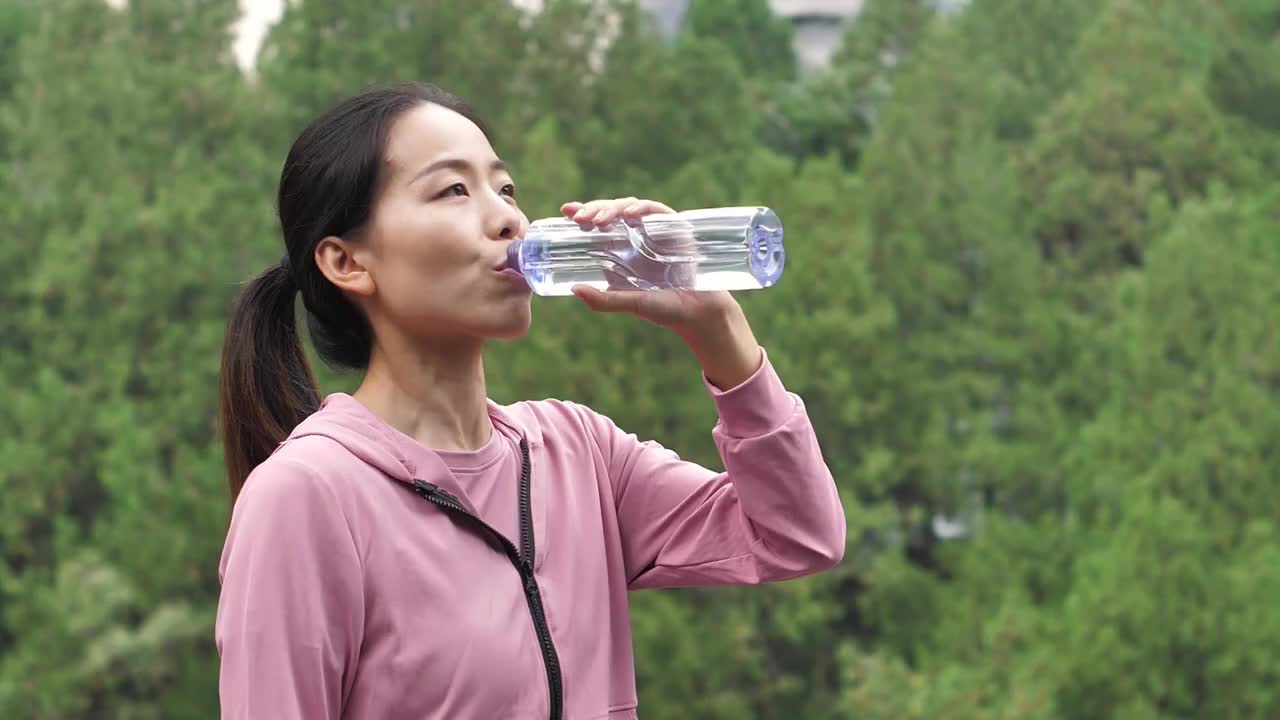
[[327, 187]]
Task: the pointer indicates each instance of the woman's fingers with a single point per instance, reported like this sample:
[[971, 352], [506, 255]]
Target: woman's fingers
[[611, 210], [608, 302], [639, 208], [603, 212], [588, 211]]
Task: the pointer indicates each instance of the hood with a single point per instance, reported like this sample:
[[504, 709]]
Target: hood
[[349, 423]]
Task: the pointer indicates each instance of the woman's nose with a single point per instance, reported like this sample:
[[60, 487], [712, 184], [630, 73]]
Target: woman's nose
[[508, 221]]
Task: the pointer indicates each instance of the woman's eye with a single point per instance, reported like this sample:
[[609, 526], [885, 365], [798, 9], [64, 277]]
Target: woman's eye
[[455, 189], [509, 190]]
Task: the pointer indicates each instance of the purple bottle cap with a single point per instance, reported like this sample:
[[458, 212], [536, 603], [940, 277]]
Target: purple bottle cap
[[513, 257]]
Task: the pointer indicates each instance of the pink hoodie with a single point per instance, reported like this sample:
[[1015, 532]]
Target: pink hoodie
[[361, 580]]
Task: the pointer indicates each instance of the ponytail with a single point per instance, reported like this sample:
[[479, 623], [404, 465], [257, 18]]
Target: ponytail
[[266, 386]]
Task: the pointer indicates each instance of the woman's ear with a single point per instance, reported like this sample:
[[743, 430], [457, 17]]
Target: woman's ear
[[343, 263]]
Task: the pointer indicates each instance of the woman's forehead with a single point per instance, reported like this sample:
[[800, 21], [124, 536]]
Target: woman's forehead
[[429, 132]]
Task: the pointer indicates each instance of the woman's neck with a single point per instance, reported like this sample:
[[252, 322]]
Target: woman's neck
[[435, 394]]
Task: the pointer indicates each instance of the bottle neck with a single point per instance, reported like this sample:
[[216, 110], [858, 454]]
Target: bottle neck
[[513, 255]]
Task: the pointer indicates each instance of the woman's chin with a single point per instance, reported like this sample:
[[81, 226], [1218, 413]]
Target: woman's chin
[[514, 334], [513, 325]]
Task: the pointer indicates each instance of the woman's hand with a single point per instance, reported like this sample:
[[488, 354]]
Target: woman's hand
[[711, 322], [678, 310]]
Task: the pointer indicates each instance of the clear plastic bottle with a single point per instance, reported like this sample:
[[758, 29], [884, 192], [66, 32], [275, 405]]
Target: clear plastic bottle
[[731, 248]]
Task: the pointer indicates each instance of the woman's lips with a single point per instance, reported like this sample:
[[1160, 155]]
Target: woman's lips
[[512, 275]]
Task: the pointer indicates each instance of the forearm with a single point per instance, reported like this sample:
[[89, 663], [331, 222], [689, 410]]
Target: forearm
[[726, 348], [774, 512]]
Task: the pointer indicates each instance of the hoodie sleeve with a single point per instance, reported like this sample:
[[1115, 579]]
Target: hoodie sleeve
[[773, 514], [290, 615]]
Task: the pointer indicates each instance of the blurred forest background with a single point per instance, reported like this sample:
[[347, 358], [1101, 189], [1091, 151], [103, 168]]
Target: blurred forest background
[[1031, 301]]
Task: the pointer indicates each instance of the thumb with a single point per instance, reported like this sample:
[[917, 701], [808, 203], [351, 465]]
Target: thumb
[[607, 302]]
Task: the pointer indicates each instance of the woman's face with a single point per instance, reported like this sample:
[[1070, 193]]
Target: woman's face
[[443, 218]]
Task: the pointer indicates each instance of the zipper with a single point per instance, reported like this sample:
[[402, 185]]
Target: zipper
[[522, 559]]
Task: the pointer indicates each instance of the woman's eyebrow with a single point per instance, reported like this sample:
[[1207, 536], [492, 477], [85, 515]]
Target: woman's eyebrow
[[454, 163]]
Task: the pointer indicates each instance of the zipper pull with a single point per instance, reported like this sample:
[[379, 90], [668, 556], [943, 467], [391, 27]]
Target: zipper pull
[[530, 582], [433, 493]]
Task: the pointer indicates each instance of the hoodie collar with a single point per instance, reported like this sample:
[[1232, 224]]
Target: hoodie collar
[[351, 424]]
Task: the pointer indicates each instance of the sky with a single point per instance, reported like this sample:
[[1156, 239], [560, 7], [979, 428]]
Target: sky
[[258, 16]]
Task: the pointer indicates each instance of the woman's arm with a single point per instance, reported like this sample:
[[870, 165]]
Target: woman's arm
[[774, 513], [291, 612]]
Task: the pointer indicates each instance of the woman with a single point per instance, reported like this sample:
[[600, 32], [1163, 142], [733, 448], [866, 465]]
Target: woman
[[415, 550]]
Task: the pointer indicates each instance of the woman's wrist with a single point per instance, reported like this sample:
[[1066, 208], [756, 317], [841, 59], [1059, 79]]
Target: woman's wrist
[[726, 348]]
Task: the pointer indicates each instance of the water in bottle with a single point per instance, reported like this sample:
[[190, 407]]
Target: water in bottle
[[734, 248]]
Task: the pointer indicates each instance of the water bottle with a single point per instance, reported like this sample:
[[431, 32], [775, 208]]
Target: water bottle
[[731, 248]]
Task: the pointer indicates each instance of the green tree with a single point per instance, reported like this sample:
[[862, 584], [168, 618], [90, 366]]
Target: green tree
[[1139, 129], [836, 108], [1021, 49], [659, 108], [961, 278], [1014, 362], [322, 51], [1177, 493], [761, 41], [16, 18], [135, 198], [558, 67]]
